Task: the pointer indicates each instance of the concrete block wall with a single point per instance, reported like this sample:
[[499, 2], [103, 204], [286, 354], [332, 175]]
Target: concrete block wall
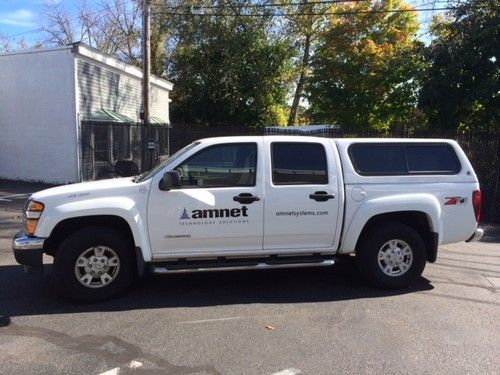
[[38, 132]]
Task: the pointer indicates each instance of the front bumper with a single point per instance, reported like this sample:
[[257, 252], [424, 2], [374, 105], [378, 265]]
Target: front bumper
[[27, 250], [478, 233]]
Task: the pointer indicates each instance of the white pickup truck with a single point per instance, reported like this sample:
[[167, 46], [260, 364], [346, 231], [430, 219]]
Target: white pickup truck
[[235, 203]]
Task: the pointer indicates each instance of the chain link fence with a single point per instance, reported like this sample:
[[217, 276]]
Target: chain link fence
[[483, 151], [111, 149], [182, 136]]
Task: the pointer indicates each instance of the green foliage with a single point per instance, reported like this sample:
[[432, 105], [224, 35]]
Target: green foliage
[[365, 68], [160, 30], [229, 71], [462, 87]]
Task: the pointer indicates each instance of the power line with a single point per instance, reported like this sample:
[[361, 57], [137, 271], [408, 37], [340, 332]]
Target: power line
[[266, 5], [12, 36], [263, 6], [353, 12], [281, 5]]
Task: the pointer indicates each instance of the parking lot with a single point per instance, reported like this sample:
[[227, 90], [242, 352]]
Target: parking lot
[[299, 321]]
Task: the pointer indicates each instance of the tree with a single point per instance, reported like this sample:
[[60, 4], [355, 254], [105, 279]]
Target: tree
[[9, 44], [161, 30], [114, 29], [462, 87], [229, 69], [304, 23], [5, 44], [366, 67]]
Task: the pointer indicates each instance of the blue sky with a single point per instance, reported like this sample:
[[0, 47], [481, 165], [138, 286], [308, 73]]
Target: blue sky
[[23, 16], [16, 16]]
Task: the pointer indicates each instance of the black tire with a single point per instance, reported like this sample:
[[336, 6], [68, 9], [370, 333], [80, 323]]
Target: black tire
[[78, 244], [367, 255]]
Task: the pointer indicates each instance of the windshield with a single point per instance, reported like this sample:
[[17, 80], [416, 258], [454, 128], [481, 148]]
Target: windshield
[[144, 176]]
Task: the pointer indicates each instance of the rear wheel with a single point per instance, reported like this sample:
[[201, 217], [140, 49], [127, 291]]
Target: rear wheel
[[94, 264], [391, 256]]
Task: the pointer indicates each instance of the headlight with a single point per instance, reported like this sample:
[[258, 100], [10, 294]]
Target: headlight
[[32, 212]]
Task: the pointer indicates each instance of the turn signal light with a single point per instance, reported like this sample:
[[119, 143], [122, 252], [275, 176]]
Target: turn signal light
[[35, 206], [476, 203], [32, 213], [30, 225]]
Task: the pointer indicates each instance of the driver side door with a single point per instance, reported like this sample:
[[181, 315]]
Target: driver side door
[[218, 207]]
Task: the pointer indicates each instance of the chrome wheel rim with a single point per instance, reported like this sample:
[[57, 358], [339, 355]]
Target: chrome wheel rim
[[97, 267], [395, 258]]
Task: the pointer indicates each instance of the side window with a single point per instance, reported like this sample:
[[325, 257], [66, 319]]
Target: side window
[[378, 159], [385, 159], [298, 163], [225, 165], [432, 159]]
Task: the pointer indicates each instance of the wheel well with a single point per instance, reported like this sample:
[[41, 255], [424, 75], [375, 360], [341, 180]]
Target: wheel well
[[68, 226], [417, 220]]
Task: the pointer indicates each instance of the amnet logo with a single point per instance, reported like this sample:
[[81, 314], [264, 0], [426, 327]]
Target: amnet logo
[[185, 215]]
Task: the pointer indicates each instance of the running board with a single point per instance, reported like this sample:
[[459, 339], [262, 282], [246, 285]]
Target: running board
[[164, 269]]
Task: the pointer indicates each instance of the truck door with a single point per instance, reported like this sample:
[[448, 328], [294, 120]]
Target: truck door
[[302, 197], [218, 208]]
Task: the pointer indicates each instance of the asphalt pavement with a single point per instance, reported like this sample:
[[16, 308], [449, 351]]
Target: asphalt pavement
[[299, 321]]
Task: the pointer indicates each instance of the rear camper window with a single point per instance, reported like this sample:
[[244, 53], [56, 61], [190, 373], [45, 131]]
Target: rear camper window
[[432, 158], [386, 159], [378, 159]]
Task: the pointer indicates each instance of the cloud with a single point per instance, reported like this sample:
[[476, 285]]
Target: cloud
[[47, 2], [18, 17]]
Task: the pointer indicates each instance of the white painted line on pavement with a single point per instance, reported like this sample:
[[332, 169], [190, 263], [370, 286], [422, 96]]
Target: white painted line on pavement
[[288, 371], [495, 281], [134, 364], [113, 371], [14, 195], [210, 320]]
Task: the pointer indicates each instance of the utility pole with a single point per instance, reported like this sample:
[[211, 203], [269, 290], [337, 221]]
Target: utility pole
[[146, 71]]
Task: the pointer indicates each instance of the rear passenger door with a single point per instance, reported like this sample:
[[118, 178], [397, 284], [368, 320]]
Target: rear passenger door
[[301, 189]]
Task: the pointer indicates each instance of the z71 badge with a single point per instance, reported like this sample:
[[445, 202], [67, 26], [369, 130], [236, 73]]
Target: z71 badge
[[455, 201]]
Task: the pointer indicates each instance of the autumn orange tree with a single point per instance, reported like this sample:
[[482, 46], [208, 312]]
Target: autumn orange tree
[[365, 69]]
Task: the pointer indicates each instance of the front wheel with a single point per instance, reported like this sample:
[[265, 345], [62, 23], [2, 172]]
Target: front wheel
[[94, 264], [391, 256]]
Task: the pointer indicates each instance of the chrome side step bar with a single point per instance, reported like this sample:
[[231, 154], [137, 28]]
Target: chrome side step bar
[[257, 266]]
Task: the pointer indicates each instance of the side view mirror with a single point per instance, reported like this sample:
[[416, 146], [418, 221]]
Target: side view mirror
[[170, 180]]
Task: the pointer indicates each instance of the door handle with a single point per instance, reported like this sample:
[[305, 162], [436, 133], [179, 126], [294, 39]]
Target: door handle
[[246, 198], [321, 196]]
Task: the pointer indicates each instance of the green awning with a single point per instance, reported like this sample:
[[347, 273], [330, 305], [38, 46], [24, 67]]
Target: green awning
[[157, 121], [107, 115]]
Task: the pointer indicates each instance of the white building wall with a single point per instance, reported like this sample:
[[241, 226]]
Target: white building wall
[[38, 137], [160, 103]]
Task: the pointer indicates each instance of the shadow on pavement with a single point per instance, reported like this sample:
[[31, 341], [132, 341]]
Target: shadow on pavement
[[23, 294], [491, 233], [19, 187]]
